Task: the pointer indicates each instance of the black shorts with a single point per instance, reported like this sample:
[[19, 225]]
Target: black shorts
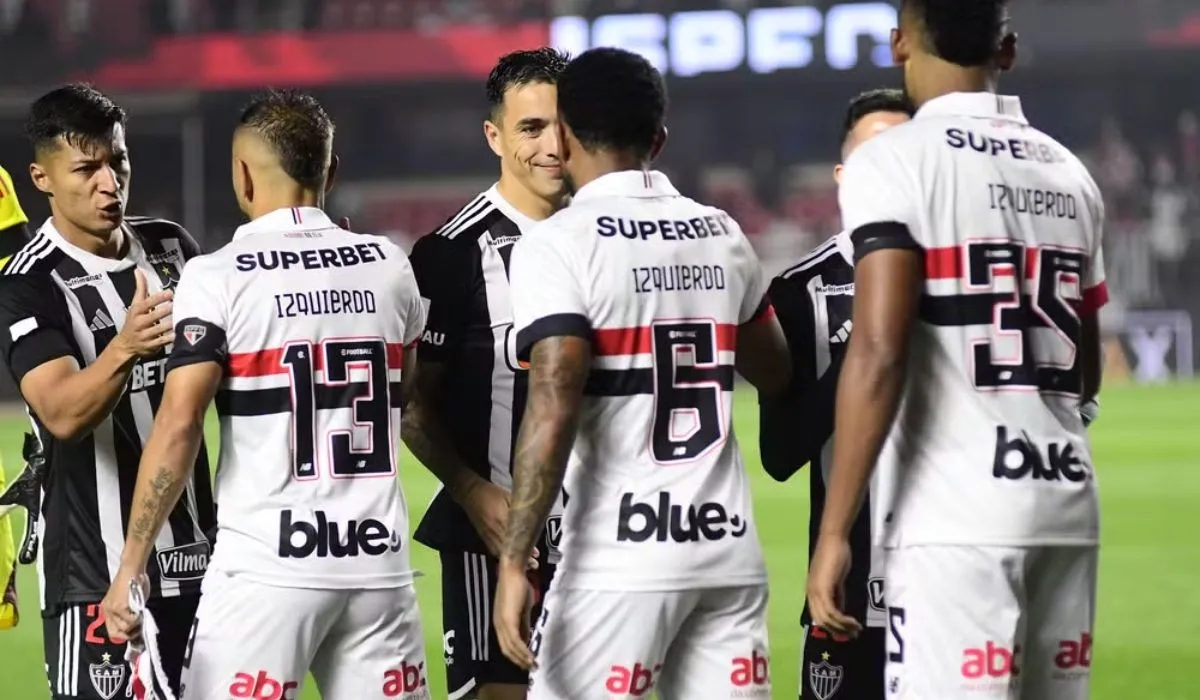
[[83, 663], [843, 670], [469, 644]]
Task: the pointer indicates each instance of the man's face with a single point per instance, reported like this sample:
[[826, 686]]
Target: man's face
[[525, 136], [866, 129], [88, 182]]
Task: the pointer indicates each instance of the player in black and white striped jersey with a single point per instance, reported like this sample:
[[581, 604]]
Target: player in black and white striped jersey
[[470, 389], [84, 325], [813, 300]]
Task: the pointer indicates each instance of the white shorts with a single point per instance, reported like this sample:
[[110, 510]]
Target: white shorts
[[251, 640], [709, 643], [990, 623]]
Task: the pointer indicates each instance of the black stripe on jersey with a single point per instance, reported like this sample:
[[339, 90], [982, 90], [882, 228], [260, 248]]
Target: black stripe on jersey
[[1017, 311], [882, 236], [632, 382], [266, 402], [29, 254]]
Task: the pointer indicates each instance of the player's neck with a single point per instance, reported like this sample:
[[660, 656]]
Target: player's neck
[[524, 201], [110, 246], [605, 163], [945, 78], [267, 202]]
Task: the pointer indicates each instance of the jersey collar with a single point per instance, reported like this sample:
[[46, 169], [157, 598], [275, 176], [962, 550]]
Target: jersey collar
[[845, 246], [514, 215], [292, 219], [974, 104], [94, 263], [627, 183]]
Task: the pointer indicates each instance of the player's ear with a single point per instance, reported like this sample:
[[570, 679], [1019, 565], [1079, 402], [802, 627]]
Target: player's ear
[[837, 174], [245, 181], [1007, 56], [331, 174], [40, 178], [660, 142], [492, 133], [899, 44]]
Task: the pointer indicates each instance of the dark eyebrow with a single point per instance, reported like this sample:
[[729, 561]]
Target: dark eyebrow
[[531, 121]]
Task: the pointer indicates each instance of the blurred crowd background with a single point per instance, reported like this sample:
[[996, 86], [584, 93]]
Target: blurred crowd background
[[757, 91]]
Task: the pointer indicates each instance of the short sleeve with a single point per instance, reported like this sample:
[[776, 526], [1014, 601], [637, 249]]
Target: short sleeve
[[200, 317], [1095, 288], [32, 316], [411, 304], [877, 205], [440, 266], [547, 291], [756, 304]]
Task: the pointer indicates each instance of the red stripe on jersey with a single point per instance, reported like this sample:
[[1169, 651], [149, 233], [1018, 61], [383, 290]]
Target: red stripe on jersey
[[637, 341], [1095, 298], [947, 264], [267, 362]]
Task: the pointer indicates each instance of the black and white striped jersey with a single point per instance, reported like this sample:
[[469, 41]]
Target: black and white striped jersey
[[57, 300], [462, 270], [813, 300]]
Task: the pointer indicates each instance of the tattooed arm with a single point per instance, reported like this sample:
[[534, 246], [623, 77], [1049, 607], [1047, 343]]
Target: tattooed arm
[[168, 457], [557, 374], [166, 466]]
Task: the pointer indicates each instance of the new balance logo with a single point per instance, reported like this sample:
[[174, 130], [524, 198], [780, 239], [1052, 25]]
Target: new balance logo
[[101, 321], [843, 333]]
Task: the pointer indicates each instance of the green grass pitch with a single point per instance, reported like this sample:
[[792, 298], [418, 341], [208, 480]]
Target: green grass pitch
[[1148, 632]]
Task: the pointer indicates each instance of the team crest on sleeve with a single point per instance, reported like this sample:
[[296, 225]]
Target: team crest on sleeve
[[194, 332], [107, 677], [825, 678]]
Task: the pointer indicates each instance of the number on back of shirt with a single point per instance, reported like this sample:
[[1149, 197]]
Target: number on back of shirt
[[1033, 341], [365, 447], [688, 390]]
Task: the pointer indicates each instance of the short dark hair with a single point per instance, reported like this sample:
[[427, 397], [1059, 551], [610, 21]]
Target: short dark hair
[[520, 68], [964, 32], [872, 101], [614, 99], [79, 114], [296, 126]]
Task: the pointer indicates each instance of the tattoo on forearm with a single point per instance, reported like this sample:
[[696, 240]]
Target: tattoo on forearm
[[155, 505], [432, 446], [558, 372]]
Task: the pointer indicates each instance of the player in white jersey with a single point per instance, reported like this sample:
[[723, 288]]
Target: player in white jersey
[[978, 280], [633, 306], [299, 329]]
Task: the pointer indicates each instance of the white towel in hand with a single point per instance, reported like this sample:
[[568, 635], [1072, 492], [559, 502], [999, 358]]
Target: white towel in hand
[[149, 681]]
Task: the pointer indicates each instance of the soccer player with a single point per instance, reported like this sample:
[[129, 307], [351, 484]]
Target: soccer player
[[299, 329], [813, 300], [634, 306], [86, 312], [978, 277], [471, 391]]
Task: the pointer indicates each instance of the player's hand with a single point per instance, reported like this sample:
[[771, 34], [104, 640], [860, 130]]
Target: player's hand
[[513, 607], [120, 621], [827, 586], [486, 506], [147, 326]]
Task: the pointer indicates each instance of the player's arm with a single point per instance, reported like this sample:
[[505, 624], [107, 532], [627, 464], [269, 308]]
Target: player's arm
[[762, 353], [795, 425], [71, 401], [1095, 296], [554, 334], [889, 273], [194, 372], [438, 273]]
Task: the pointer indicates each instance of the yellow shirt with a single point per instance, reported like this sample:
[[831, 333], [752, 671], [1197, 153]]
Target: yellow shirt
[[11, 215]]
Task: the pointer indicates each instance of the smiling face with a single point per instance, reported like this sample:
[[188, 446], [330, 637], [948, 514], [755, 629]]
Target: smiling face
[[87, 180], [524, 134]]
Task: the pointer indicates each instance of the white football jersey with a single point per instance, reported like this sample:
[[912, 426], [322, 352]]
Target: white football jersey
[[988, 447], [310, 323], [656, 494]]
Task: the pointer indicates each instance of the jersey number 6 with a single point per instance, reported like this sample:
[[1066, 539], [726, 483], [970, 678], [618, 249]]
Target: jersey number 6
[[370, 407], [688, 383]]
